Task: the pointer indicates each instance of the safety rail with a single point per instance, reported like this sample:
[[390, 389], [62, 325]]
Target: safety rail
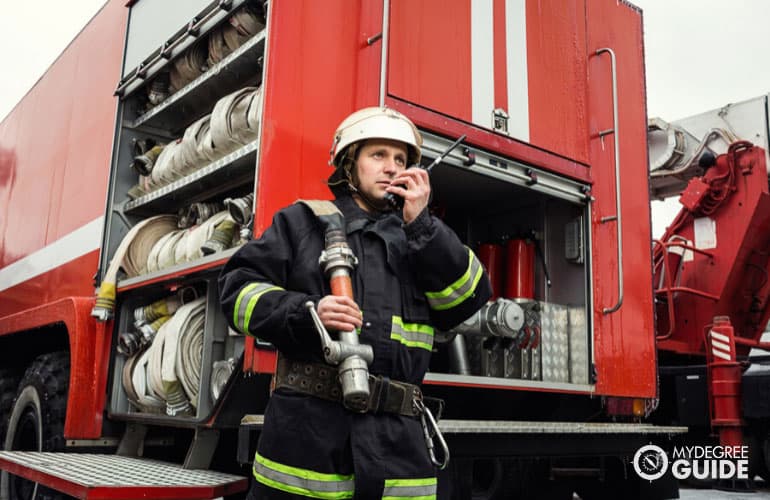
[[669, 290], [618, 217], [240, 68], [220, 176]]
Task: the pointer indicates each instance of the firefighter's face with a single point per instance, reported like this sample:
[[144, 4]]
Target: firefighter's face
[[378, 161]]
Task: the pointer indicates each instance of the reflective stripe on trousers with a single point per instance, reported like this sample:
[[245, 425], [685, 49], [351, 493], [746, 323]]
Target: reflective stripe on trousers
[[313, 484], [302, 481], [457, 292], [412, 489]]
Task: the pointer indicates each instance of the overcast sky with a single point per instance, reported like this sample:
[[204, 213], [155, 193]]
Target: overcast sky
[[700, 54]]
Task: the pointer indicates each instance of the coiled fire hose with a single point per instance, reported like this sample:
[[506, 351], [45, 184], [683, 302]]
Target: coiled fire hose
[[171, 372], [149, 319], [155, 244], [233, 123], [214, 234], [128, 256], [134, 378], [189, 66], [235, 119], [241, 26], [189, 356], [138, 254]]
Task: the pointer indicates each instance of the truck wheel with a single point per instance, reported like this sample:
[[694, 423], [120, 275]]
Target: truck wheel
[[9, 383], [36, 422]]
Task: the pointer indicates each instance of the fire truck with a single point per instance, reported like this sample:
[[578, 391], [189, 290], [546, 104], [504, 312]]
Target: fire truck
[[168, 134]]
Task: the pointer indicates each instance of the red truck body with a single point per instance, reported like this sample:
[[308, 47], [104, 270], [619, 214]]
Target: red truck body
[[531, 84]]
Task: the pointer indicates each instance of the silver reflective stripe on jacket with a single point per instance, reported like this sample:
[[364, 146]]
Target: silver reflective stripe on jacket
[[461, 289], [411, 334], [247, 300], [414, 489], [303, 482]]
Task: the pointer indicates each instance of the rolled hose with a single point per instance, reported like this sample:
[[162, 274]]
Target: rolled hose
[[165, 368], [134, 378], [190, 65], [235, 119], [155, 244], [189, 356], [186, 245], [241, 26], [133, 250], [164, 375], [233, 123]]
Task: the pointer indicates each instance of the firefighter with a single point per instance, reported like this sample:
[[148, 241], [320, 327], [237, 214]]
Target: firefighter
[[412, 275]]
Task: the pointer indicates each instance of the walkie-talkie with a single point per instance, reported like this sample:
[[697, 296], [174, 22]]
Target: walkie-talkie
[[396, 201]]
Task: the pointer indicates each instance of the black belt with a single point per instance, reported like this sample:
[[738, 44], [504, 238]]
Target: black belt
[[321, 381]]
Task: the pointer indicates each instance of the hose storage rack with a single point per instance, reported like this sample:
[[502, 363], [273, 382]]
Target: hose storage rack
[[189, 126]]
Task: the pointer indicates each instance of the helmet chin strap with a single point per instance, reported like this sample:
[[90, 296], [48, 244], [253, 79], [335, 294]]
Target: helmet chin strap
[[381, 207], [376, 206]]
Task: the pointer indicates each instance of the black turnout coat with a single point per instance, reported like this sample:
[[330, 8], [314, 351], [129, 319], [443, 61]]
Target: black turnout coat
[[409, 280]]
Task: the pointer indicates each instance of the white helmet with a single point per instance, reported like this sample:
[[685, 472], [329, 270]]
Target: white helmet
[[376, 123]]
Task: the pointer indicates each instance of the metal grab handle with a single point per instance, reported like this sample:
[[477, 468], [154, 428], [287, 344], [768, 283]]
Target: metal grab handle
[[384, 51], [618, 215]]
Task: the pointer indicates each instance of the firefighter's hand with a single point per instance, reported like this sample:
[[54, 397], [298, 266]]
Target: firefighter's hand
[[339, 313], [413, 185]]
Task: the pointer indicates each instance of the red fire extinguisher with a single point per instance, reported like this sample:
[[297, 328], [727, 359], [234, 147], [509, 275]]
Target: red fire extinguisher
[[491, 257], [520, 269]]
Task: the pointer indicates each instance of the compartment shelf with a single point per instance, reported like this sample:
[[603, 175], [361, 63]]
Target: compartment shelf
[[228, 172], [177, 271], [198, 27], [197, 98]]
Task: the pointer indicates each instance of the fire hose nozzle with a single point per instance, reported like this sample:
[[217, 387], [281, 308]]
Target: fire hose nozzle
[[353, 360]]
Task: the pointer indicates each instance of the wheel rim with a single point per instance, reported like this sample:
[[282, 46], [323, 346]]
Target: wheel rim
[[25, 439]]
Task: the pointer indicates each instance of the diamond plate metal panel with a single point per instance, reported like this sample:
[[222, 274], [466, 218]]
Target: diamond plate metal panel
[[578, 345], [94, 470], [555, 343], [512, 361], [535, 364], [492, 358]]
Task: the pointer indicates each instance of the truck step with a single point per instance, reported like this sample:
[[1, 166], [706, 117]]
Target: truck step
[[467, 426], [98, 476]]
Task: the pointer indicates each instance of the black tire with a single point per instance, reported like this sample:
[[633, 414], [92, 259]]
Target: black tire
[[9, 384], [36, 422]]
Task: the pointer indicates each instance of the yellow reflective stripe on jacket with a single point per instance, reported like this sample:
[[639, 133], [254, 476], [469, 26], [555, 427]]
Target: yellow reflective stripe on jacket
[[302, 481], [247, 300], [461, 289], [412, 489], [411, 334]]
